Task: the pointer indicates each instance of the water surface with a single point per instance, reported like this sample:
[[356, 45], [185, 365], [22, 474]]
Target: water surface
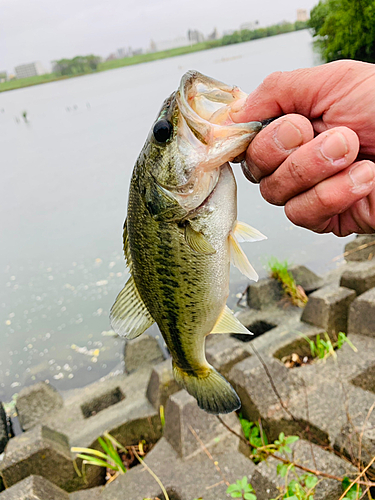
[[65, 177]]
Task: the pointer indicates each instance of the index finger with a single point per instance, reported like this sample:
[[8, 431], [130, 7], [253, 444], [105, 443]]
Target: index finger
[[275, 143]]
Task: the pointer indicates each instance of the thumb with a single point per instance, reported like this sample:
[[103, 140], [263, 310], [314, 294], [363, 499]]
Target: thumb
[[283, 93]]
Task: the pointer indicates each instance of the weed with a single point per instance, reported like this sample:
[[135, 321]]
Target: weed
[[254, 434], [162, 416], [279, 271], [242, 489], [354, 493], [300, 488], [108, 458], [321, 349]]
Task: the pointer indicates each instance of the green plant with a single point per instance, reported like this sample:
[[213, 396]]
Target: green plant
[[354, 492], [162, 416], [323, 348], [300, 488], [279, 271], [242, 489], [254, 434], [108, 458]]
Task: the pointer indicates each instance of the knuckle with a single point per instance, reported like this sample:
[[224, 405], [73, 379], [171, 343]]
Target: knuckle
[[324, 199], [297, 174], [270, 82]]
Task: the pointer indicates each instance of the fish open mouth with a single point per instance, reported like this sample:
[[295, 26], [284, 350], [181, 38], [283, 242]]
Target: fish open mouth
[[206, 105]]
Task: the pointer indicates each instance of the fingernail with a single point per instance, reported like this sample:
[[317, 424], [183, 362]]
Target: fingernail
[[288, 136], [334, 146], [249, 176], [361, 174]]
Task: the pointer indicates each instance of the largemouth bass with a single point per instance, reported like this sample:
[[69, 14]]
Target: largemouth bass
[[181, 233]]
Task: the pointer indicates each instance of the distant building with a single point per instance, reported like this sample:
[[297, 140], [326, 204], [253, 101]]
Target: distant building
[[31, 69], [214, 35], [249, 26], [111, 57], [195, 36], [3, 76], [181, 41], [302, 15]]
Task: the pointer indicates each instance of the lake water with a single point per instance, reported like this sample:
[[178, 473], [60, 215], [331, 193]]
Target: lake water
[[65, 178]]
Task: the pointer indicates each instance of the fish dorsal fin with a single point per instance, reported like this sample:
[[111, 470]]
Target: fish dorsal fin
[[129, 315], [197, 241], [125, 237], [244, 232], [228, 323], [239, 259]]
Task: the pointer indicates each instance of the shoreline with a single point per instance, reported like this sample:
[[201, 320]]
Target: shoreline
[[143, 58]]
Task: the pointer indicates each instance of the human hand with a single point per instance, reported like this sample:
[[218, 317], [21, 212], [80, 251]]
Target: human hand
[[318, 160]]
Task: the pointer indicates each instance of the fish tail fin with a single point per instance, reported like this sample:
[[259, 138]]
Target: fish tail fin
[[213, 393]]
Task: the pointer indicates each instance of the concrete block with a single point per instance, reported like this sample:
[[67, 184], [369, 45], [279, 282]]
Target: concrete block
[[359, 276], [328, 308], [197, 476], [264, 293], [362, 248], [4, 435], [109, 397], [44, 452], [266, 482], [142, 351], [304, 277], [35, 402], [224, 355], [90, 494], [357, 441], [362, 314], [182, 414], [34, 488], [252, 384], [366, 380], [162, 384]]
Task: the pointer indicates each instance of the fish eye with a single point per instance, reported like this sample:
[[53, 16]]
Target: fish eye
[[162, 130]]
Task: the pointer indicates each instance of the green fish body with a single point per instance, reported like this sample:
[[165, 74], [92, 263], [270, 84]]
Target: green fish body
[[180, 236]]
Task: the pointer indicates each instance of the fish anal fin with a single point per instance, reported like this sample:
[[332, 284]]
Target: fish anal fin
[[197, 241], [244, 232], [129, 315], [239, 259], [228, 323]]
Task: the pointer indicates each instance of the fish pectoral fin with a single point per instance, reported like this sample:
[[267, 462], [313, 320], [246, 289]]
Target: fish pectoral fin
[[239, 259], [125, 237], [129, 316], [197, 241], [244, 232], [228, 323]]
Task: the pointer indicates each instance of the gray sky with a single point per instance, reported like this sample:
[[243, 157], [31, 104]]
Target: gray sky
[[44, 30]]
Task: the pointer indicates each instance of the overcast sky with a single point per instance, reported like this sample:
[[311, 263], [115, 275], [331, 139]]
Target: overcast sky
[[44, 30]]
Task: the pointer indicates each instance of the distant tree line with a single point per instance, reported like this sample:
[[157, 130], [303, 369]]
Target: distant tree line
[[344, 29], [275, 29], [76, 66]]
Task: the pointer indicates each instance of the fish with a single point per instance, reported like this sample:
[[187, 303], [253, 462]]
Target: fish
[[181, 233]]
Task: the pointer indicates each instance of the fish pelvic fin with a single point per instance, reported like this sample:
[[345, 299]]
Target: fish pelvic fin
[[239, 259], [213, 393], [244, 232], [129, 315]]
